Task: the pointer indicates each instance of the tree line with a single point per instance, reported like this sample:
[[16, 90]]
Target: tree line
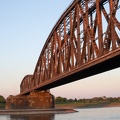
[[60, 100]]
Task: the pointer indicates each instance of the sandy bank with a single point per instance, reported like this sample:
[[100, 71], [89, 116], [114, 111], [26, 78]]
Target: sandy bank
[[86, 105], [114, 104]]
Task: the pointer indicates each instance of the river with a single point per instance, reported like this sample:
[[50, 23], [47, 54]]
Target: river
[[112, 113]]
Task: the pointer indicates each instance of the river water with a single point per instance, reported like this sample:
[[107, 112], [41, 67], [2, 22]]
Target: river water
[[82, 114]]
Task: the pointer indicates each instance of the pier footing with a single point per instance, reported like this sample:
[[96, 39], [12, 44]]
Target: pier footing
[[35, 100], [36, 111]]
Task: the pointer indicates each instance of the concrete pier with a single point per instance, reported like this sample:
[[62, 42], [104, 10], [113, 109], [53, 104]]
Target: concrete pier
[[35, 100]]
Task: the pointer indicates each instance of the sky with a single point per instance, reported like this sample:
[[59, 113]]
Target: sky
[[24, 28]]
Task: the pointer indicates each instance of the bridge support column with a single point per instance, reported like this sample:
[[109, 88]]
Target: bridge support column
[[35, 100]]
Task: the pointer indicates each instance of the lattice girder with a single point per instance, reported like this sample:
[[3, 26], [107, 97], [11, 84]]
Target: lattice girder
[[79, 37]]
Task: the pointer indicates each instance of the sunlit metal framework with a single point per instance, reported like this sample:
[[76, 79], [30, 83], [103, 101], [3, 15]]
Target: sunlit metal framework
[[86, 32]]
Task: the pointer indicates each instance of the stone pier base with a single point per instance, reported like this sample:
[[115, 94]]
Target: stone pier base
[[36, 100]]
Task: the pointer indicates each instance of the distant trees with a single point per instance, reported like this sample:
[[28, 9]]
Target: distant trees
[[2, 102], [113, 99], [61, 100]]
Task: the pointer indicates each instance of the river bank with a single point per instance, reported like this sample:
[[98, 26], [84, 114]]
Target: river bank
[[59, 108], [87, 105]]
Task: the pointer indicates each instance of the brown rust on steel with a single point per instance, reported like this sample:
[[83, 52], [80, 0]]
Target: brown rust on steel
[[77, 43]]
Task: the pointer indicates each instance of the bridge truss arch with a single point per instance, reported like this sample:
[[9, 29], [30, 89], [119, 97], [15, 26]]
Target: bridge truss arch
[[87, 33]]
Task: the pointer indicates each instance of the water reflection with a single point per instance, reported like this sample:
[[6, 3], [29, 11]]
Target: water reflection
[[33, 117]]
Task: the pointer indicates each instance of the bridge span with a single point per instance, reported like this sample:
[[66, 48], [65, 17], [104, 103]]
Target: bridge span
[[85, 41]]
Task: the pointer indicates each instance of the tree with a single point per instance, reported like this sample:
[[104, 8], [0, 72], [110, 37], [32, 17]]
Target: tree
[[70, 100], [75, 100], [2, 102], [59, 99], [2, 99]]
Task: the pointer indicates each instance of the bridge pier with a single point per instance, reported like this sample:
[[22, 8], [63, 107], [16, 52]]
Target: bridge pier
[[35, 100]]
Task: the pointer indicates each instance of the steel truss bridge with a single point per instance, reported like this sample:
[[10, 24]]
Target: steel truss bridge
[[85, 41]]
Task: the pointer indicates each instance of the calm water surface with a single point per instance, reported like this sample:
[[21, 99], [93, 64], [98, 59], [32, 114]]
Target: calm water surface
[[82, 114]]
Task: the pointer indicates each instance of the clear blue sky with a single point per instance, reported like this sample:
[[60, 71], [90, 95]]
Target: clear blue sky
[[24, 28]]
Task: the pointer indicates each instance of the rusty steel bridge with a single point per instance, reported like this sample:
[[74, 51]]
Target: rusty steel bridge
[[85, 41]]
